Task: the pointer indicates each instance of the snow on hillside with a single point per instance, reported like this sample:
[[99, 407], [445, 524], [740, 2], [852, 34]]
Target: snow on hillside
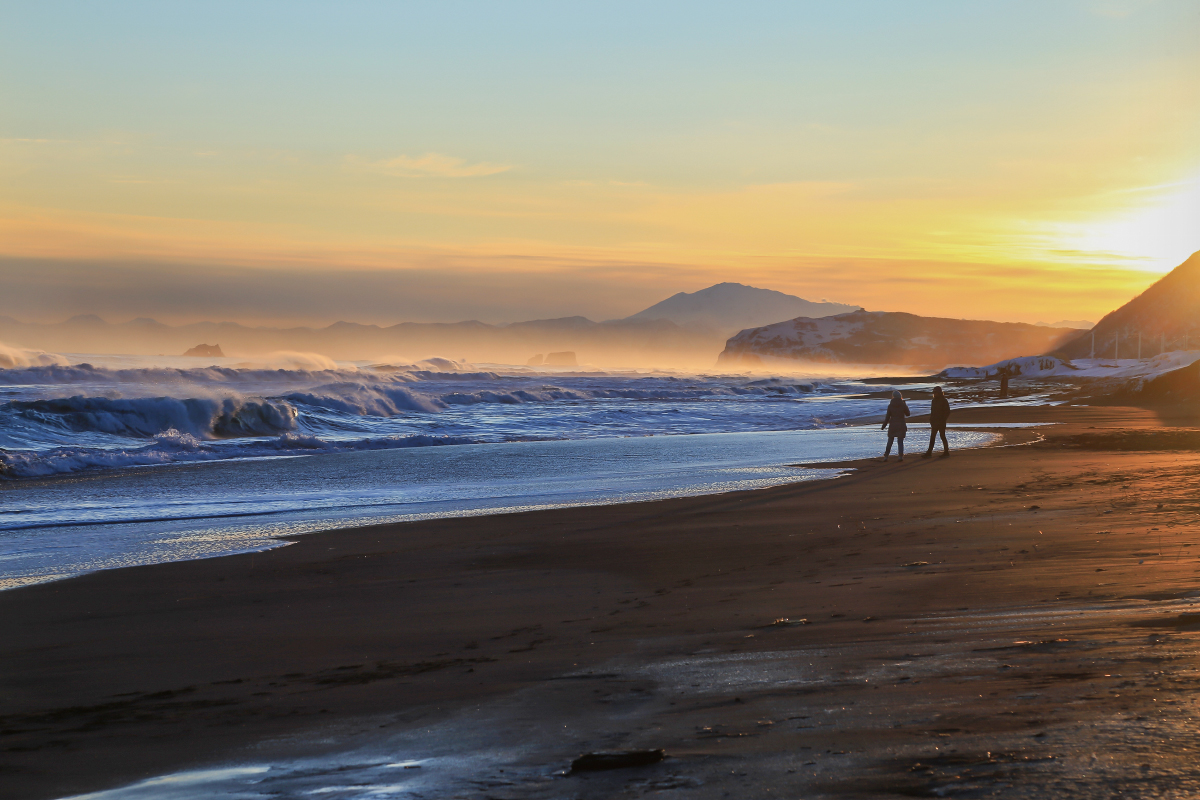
[[1050, 367]]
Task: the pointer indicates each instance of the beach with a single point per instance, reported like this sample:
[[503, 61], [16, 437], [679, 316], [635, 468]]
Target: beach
[[1013, 620]]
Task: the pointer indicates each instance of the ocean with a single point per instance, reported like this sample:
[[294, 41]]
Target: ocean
[[110, 461]]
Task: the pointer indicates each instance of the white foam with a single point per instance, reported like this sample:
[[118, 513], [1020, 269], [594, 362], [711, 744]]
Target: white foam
[[62, 418]]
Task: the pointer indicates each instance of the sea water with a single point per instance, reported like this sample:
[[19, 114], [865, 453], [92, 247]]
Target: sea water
[[111, 462]]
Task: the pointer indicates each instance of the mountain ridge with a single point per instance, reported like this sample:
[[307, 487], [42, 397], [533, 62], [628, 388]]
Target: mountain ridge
[[1167, 310], [891, 337], [638, 340]]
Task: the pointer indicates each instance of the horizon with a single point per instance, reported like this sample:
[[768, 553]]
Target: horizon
[[116, 319], [381, 164]]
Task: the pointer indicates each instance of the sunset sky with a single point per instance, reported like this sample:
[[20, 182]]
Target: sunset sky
[[379, 162]]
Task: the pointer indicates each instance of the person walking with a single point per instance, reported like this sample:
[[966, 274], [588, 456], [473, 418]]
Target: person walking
[[939, 413], [896, 425]]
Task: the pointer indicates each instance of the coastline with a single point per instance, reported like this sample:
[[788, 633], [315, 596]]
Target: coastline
[[122, 675], [72, 525]]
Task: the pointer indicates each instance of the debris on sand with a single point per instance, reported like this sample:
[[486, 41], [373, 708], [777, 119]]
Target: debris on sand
[[595, 762]]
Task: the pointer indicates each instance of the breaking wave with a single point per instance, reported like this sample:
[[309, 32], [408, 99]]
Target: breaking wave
[[57, 417], [366, 400], [205, 418]]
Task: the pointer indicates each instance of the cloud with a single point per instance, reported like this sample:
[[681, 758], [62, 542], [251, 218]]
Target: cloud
[[436, 165]]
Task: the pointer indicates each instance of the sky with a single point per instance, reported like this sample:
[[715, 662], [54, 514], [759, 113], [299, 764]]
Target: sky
[[300, 162]]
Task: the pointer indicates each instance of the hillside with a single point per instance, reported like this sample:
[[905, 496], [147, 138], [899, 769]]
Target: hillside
[[882, 337], [1168, 310], [1180, 385], [727, 308]]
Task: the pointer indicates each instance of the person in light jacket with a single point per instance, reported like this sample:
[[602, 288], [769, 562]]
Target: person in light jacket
[[939, 413], [896, 425]]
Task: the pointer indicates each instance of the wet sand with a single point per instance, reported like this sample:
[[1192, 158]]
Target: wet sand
[[1010, 621]]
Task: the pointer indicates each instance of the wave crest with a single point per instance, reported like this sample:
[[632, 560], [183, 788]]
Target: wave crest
[[360, 399], [144, 417]]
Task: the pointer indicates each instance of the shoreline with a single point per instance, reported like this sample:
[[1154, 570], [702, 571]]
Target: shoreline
[[121, 675], [78, 525]]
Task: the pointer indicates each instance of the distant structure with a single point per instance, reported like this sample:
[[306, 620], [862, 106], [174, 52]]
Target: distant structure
[[536, 361], [206, 351], [563, 359]]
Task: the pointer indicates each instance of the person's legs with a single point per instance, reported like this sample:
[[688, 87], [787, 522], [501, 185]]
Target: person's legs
[[900, 447], [932, 439], [888, 451], [945, 444]]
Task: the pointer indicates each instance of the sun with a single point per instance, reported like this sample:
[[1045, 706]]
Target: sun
[[1157, 231]]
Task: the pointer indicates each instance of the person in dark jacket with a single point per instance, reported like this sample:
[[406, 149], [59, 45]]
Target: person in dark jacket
[[939, 414], [896, 424]]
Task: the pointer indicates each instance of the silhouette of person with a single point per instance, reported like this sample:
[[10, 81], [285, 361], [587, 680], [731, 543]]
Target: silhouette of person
[[939, 413], [896, 425], [1004, 376]]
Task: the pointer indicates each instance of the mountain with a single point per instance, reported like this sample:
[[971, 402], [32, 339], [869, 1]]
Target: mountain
[[687, 331], [885, 337], [1165, 315], [730, 307]]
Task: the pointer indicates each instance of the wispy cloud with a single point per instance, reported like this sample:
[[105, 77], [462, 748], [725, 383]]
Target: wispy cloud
[[434, 165]]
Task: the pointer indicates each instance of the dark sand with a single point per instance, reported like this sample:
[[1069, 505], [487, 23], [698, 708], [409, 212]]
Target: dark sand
[[1008, 621]]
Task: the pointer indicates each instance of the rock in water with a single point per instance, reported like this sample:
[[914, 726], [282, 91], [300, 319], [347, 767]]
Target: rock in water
[[206, 351], [563, 359], [595, 762], [535, 361]]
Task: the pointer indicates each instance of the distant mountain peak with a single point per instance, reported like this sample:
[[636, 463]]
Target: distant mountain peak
[[729, 307]]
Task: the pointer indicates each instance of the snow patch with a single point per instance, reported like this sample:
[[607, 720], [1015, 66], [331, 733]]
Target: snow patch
[[1051, 367]]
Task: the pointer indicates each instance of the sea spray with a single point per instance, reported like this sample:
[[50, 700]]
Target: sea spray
[[61, 418], [11, 357]]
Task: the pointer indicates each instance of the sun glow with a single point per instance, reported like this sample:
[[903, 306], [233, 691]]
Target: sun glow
[[1157, 231]]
